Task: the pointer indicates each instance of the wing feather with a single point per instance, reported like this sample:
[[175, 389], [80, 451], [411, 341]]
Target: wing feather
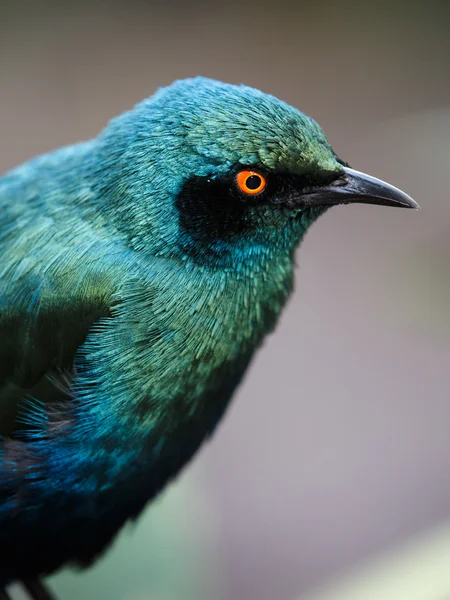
[[57, 277]]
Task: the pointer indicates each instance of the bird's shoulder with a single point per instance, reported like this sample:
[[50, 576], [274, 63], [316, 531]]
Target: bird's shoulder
[[60, 273]]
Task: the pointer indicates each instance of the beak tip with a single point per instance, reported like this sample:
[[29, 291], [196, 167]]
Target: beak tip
[[412, 204]]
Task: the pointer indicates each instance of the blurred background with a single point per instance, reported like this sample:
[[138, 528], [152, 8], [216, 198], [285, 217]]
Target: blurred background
[[329, 477]]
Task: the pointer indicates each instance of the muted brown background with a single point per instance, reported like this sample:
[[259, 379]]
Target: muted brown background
[[337, 445]]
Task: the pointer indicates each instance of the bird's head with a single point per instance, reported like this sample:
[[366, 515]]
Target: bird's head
[[215, 172]]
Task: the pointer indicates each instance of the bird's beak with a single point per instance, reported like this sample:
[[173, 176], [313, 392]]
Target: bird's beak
[[357, 187]]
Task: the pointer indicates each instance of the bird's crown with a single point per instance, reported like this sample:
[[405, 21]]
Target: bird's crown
[[236, 124]]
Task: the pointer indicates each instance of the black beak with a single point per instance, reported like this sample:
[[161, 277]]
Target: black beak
[[354, 186]]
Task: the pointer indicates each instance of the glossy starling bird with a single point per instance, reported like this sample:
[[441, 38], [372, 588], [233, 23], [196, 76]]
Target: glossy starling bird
[[139, 272]]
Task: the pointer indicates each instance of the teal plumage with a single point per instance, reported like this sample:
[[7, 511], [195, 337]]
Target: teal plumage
[[137, 281]]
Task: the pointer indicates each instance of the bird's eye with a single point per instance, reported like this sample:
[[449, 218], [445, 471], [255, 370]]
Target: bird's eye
[[251, 182]]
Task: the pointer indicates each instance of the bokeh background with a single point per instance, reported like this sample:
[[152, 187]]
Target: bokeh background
[[329, 477]]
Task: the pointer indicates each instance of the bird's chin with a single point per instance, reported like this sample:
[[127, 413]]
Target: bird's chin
[[309, 214]]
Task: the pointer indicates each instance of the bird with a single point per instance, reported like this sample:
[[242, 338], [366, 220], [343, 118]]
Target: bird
[[139, 273]]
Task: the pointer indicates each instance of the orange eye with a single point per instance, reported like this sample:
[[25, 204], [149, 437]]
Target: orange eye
[[251, 182]]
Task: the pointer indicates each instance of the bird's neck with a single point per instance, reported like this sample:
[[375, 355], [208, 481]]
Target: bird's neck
[[190, 337]]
